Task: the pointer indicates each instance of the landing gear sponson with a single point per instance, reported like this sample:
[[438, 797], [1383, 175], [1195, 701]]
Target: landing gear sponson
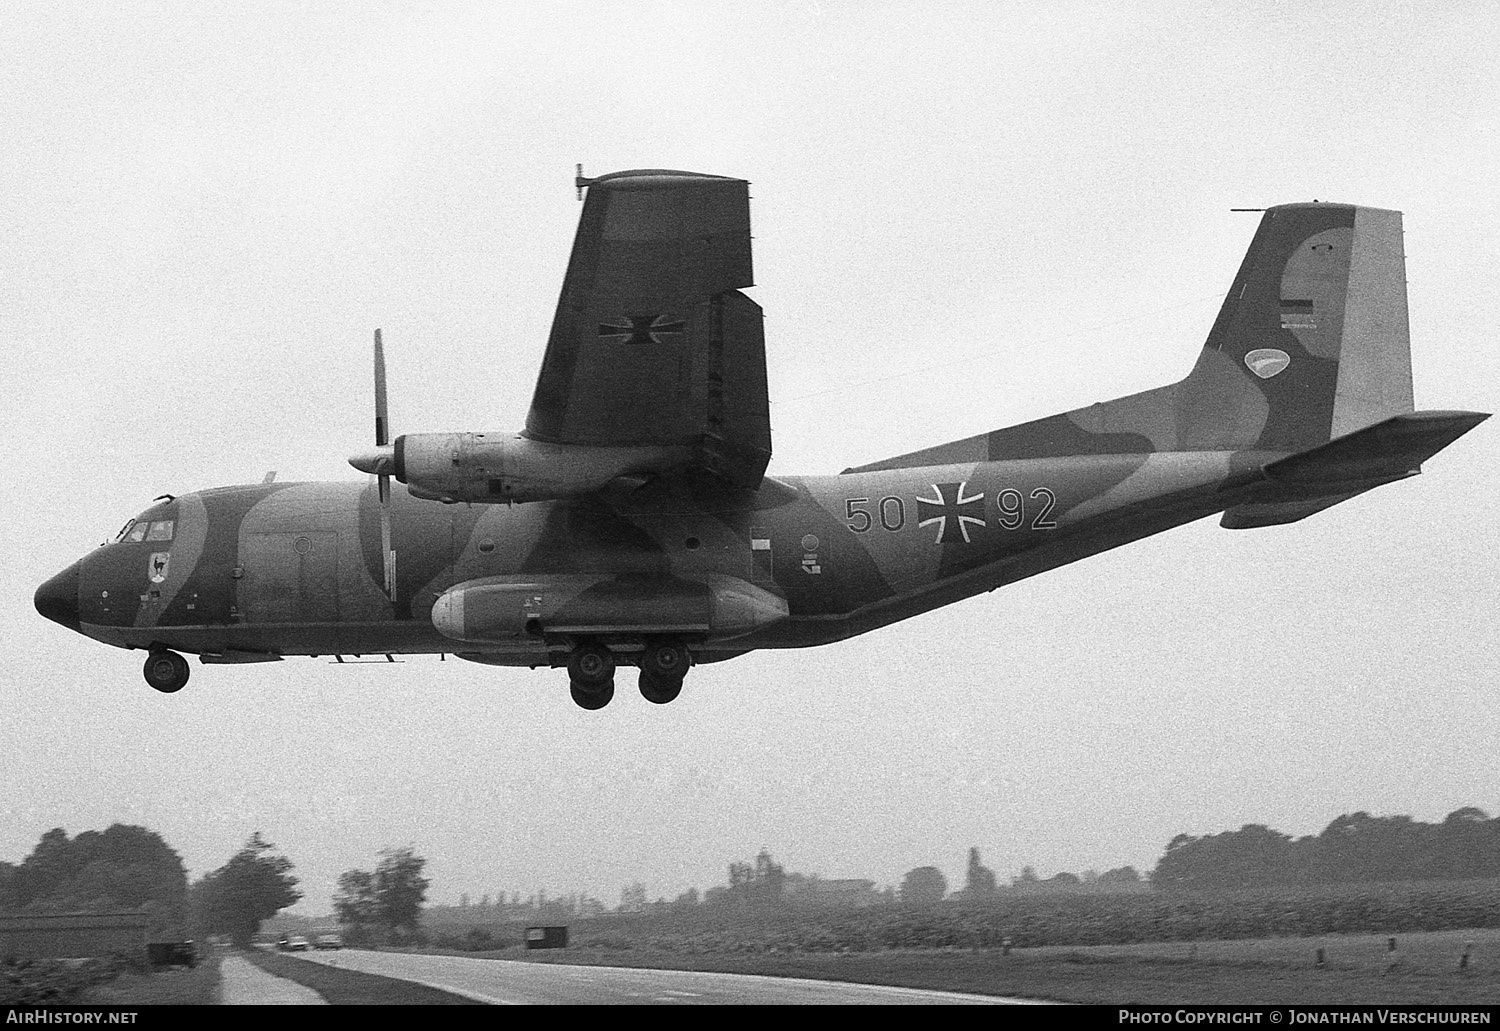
[[591, 672]]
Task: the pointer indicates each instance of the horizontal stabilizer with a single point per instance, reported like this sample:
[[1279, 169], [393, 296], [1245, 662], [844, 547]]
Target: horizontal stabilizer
[[1274, 513], [1324, 476], [1389, 450]]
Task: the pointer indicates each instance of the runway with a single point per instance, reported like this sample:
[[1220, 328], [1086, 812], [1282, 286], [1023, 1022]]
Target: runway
[[509, 982]]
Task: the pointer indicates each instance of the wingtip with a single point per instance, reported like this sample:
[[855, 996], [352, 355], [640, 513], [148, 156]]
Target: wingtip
[[657, 179]]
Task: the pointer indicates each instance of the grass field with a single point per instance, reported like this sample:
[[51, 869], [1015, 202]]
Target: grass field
[[106, 982], [350, 987], [178, 986], [1357, 969], [1028, 919]]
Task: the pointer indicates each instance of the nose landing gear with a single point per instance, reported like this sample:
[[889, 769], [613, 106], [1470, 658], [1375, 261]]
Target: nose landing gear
[[166, 671]]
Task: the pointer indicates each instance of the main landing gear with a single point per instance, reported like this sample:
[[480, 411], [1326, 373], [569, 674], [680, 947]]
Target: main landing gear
[[166, 671], [663, 665], [591, 672], [591, 669]]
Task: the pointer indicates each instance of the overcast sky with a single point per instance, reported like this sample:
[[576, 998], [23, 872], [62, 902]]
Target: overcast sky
[[966, 215]]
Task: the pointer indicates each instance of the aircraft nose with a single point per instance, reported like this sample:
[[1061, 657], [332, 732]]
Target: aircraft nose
[[57, 599]]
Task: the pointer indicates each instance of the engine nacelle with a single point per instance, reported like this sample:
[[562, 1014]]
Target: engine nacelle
[[508, 467], [708, 606]]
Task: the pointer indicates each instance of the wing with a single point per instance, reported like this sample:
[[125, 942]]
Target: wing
[[653, 344]]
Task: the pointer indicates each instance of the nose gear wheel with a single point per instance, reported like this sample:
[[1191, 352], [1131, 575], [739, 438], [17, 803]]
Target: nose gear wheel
[[166, 671]]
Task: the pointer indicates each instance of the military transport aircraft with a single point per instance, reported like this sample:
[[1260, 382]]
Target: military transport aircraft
[[632, 521]]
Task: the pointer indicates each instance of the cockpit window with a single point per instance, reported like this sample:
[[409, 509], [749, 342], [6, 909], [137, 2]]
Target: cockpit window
[[139, 529]]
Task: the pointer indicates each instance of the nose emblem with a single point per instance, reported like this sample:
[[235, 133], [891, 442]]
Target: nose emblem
[[57, 599]]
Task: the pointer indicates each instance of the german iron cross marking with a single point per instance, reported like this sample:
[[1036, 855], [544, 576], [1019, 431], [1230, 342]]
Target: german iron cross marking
[[949, 501], [640, 329]]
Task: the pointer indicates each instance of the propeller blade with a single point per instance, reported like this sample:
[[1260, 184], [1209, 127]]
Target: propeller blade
[[385, 537], [381, 462], [382, 424]]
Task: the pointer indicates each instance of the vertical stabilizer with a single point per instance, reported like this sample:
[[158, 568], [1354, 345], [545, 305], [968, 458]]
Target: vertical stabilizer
[[1311, 344], [1312, 340]]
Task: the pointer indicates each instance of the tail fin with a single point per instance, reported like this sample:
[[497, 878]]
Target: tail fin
[[1312, 341], [1311, 344]]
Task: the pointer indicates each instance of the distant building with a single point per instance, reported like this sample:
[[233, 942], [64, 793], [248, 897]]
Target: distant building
[[852, 892], [73, 935]]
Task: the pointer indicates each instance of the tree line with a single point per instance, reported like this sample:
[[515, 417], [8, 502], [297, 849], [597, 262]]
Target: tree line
[[127, 867], [383, 906], [124, 867], [131, 867], [1354, 848], [763, 883]]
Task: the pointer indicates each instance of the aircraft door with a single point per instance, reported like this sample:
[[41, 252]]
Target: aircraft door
[[289, 577]]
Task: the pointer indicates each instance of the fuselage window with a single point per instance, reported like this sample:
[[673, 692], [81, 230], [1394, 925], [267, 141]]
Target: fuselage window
[[124, 530], [161, 531], [137, 533]]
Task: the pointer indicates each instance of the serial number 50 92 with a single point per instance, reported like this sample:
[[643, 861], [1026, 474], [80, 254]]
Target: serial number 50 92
[[1011, 510]]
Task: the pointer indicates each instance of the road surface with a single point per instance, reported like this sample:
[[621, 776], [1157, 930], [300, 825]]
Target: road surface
[[510, 982], [242, 983]]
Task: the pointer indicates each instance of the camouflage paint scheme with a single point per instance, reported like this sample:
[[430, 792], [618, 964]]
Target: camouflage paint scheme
[[1300, 399]]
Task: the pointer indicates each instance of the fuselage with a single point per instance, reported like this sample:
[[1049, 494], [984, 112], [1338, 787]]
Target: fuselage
[[631, 523], [284, 569]]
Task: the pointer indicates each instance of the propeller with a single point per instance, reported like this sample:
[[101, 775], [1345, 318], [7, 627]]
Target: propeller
[[381, 462]]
